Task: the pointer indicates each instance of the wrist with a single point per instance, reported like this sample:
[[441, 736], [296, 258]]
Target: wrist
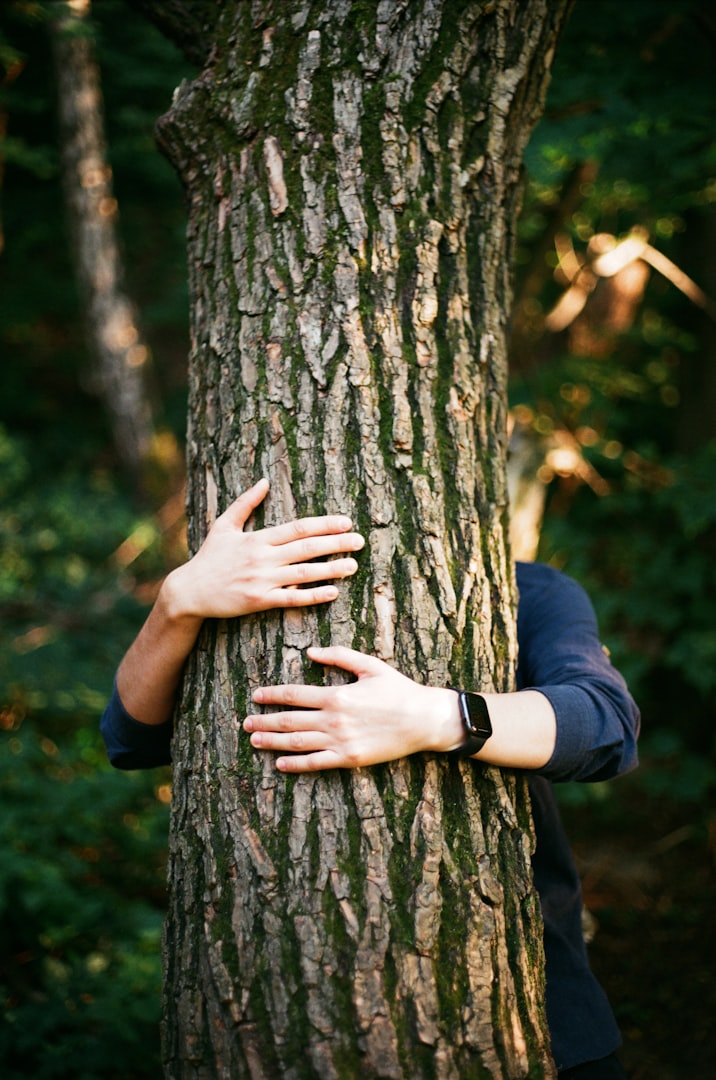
[[174, 599], [445, 730]]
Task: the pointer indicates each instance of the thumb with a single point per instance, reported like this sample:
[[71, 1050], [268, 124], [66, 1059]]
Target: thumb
[[357, 663], [242, 508]]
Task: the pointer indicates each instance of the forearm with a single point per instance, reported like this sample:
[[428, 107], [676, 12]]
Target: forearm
[[524, 728], [149, 675]]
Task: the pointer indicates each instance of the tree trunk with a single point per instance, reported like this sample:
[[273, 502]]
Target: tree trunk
[[352, 174], [119, 354]]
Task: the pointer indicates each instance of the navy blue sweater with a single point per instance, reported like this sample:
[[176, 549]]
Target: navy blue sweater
[[560, 655]]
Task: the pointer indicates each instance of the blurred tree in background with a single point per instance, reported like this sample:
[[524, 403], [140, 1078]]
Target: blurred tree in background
[[82, 850], [614, 379], [121, 358]]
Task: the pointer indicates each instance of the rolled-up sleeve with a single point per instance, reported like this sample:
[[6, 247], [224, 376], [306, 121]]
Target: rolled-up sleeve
[[561, 656], [131, 745]]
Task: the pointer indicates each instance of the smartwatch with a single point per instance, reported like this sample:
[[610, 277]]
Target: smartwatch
[[476, 724]]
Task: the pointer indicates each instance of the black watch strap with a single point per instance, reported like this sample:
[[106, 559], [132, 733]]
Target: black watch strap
[[476, 724]]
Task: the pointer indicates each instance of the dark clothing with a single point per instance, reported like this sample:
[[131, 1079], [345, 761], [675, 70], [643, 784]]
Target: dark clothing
[[581, 1023], [608, 1068], [597, 727]]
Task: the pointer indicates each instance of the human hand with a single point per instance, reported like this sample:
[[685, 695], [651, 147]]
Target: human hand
[[236, 572], [381, 717]]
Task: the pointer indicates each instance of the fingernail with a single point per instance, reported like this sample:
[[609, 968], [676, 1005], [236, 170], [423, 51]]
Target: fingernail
[[257, 695], [248, 724]]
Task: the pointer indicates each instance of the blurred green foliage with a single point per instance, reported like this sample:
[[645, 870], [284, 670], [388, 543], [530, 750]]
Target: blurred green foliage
[[69, 609], [81, 909], [631, 91], [627, 142], [630, 115], [82, 847]]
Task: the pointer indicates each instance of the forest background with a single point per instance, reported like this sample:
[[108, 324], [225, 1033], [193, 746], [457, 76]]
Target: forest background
[[613, 390]]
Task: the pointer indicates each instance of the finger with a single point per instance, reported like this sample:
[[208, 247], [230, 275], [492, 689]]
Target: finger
[[306, 573], [303, 528], [357, 663], [291, 597], [293, 695], [318, 547], [281, 722], [289, 742], [242, 508], [302, 763]]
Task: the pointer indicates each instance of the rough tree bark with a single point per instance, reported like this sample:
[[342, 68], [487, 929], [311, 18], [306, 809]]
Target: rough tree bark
[[120, 355], [352, 175]]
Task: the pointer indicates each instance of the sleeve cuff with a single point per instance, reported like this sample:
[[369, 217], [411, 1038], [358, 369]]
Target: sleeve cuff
[[587, 746], [131, 744]]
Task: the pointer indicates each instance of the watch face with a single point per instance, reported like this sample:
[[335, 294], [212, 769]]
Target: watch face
[[475, 719], [475, 716]]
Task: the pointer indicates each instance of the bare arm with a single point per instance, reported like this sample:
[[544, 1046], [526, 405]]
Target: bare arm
[[233, 573], [384, 715]]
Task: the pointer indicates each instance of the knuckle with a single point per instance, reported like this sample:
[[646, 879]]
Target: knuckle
[[340, 699], [303, 573], [306, 549], [353, 758], [339, 728], [298, 529], [293, 598], [249, 563], [252, 590]]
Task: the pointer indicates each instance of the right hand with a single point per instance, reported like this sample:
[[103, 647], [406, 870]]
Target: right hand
[[381, 716], [236, 572]]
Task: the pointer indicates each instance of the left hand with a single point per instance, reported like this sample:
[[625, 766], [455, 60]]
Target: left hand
[[239, 573], [380, 717]]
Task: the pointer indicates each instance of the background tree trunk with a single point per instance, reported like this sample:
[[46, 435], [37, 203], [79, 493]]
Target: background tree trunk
[[352, 177], [120, 355]]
